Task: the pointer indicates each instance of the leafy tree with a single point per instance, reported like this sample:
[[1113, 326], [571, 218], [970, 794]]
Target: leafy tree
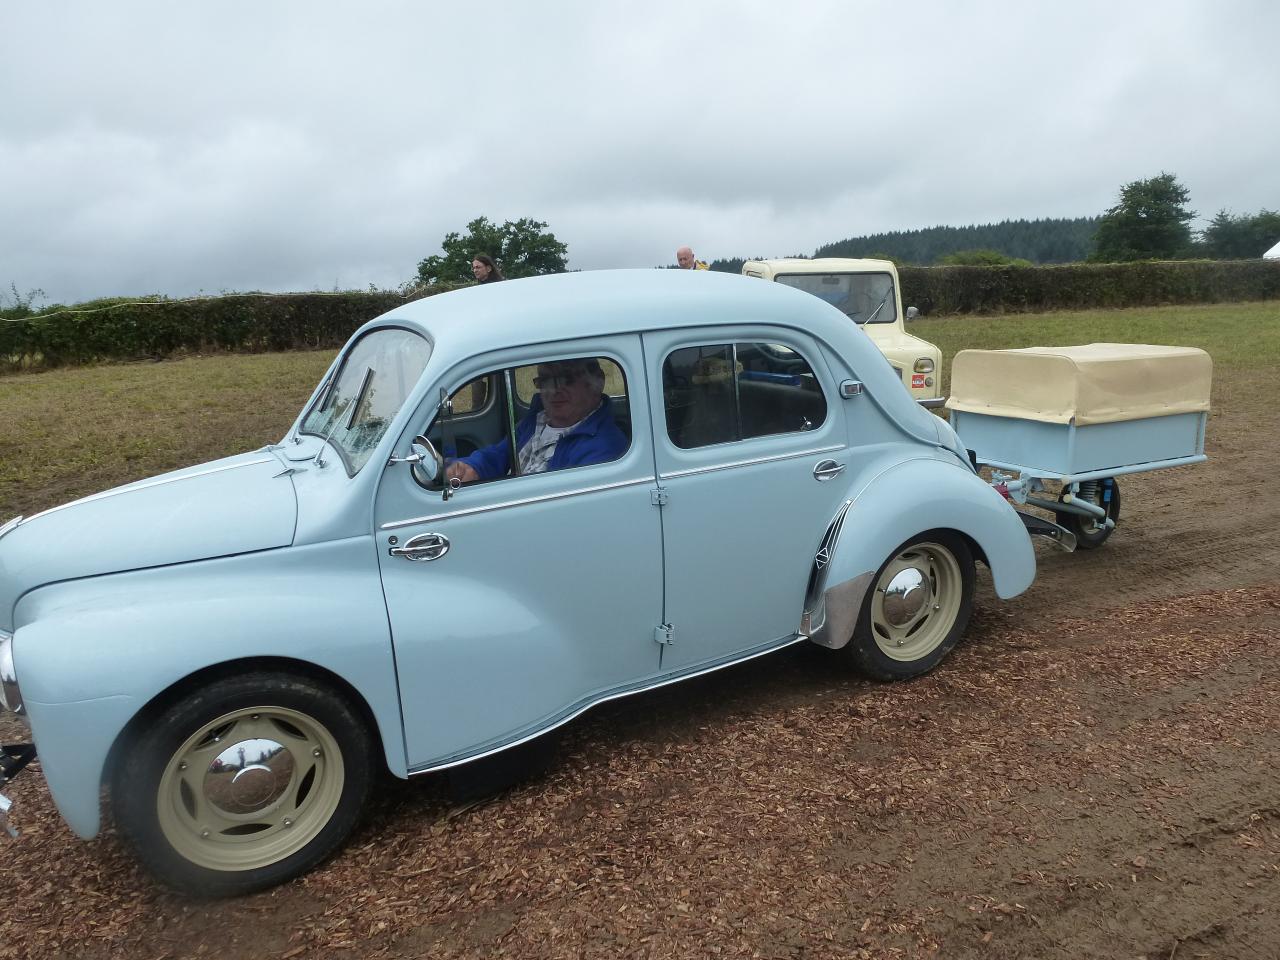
[[982, 258], [1151, 222], [523, 248], [1242, 237]]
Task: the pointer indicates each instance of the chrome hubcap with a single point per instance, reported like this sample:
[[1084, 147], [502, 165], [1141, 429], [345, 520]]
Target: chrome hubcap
[[906, 593], [916, 601], [249, 776], [250, 788]]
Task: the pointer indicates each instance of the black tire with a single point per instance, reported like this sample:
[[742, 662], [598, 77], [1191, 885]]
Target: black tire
[[1089, 535], [210, 818], [913, 631]]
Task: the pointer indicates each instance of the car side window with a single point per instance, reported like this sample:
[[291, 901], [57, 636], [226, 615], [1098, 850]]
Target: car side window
[[566, 412], [472, 397], [722, 393]]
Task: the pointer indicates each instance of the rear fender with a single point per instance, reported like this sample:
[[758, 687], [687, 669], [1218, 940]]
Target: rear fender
[[900, 502]]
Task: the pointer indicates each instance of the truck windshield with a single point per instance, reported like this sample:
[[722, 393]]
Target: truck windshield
[[363, 396], [863, 297]]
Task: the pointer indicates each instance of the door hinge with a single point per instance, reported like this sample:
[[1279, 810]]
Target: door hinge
[[663, 633], [659, 497]]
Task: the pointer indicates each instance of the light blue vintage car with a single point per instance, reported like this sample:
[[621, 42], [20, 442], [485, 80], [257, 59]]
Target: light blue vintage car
[[501, 506]]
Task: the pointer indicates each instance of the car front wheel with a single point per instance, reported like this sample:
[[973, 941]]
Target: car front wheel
[[244, 783], [917, 609]]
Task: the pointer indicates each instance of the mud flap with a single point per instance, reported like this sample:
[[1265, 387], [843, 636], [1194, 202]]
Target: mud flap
[[1039, 527]]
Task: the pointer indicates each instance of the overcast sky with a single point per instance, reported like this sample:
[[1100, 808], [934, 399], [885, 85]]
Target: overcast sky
[[177, 147]]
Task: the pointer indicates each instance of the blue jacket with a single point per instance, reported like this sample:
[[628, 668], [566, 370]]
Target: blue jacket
[[596, 440]]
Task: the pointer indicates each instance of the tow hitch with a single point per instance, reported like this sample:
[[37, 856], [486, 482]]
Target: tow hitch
[[13, 759], [1039, 527]]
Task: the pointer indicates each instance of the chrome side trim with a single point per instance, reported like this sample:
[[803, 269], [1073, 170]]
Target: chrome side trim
[[839, 611], [143, 485], [581, 708], [11, 525], [754, 460], [432, 518]]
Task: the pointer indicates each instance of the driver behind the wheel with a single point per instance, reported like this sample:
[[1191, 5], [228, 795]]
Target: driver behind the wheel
[[569, 424]]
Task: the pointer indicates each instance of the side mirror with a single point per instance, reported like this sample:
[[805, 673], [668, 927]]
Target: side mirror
[[426, 462], [912, 313]]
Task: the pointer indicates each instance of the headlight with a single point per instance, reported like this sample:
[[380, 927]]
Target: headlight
[[924, 365], [10, 695]]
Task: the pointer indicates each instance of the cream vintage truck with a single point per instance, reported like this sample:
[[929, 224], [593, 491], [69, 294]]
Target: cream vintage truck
[[868, 292]]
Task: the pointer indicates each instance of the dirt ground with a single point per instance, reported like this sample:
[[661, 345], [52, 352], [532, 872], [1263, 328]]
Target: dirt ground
[[1092, 774]]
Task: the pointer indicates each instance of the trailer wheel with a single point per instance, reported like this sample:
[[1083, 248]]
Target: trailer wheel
[[1089, 533], [917, 609]]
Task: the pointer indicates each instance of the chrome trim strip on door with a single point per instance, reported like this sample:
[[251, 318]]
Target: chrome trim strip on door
[[579, 710], [432, 518], [746, 463]]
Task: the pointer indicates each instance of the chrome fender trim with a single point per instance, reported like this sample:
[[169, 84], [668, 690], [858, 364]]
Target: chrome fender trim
[[831, 624]]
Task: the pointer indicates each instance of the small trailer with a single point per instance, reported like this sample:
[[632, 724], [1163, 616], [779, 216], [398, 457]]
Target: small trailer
[[1076, 418]]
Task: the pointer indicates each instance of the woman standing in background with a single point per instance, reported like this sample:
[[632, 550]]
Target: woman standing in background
[[484, 269]]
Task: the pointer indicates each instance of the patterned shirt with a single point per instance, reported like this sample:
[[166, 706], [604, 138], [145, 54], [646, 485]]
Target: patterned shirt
[[541, 445]]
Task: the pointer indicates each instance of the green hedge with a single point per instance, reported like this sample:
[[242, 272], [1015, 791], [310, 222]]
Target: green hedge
[[257, 322], [236, 322], [1007, 289]]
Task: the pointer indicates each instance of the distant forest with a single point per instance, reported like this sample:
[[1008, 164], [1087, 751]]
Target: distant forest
[[1040, 241]]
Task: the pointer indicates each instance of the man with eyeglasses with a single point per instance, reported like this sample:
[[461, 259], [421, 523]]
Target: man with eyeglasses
[[569, 424]]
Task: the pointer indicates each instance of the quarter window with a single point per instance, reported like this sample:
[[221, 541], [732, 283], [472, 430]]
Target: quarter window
[[735, 391]]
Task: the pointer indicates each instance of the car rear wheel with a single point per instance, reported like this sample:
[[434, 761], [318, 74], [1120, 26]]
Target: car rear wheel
[[917, 609], [244, 783]]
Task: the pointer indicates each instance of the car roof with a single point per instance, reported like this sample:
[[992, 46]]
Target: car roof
[[600, 303], [823, 265], [595, 303]]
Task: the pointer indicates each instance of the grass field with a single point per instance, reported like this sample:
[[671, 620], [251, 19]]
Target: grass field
[[67, 433]]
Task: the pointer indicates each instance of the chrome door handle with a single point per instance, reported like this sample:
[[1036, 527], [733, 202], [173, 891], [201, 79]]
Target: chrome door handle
[[827, 470], [425, 546]]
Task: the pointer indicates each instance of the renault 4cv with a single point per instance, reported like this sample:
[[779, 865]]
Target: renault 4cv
[[500, 506]]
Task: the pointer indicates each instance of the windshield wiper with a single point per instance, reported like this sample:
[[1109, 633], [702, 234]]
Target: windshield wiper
[[351, 420], [871, 319]]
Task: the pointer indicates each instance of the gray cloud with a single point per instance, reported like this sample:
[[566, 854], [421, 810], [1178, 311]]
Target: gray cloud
[[293, 145]]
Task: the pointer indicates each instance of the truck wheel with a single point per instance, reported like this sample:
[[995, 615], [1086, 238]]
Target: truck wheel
[[917, 609], [244, 783], [1089, 534]]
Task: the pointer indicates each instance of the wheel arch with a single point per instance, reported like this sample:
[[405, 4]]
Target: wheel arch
[[908, 499], [229, 668]]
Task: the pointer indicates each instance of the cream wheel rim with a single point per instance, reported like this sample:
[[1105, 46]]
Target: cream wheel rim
[[916, 601], [250, 788]]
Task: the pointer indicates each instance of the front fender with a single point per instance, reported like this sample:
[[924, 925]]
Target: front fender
[[895, 504], [90, 654]]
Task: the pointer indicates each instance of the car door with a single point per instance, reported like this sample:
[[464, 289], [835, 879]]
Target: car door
[[748, 437], [539, 594]]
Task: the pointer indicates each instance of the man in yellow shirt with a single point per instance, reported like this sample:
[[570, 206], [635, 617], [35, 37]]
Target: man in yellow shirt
[[687, 261]]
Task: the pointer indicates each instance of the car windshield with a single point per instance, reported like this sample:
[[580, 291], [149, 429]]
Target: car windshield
[[863, 297], [362, 398]]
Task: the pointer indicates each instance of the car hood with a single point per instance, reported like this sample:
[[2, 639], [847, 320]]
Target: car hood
[[892, 336], [236, 505]]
